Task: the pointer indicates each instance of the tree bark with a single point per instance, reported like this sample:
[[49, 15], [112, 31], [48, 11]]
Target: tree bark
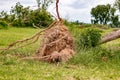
[[110, 37]]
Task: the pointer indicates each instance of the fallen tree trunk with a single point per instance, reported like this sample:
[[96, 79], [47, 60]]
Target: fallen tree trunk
[[110, 37]]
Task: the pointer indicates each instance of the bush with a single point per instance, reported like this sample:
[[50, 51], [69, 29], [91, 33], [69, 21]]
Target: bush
[[16, 23], [3, 25], [89, 37], [41, 18]]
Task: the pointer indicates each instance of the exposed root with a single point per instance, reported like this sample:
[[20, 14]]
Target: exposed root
[[57, 46], [34, 38]]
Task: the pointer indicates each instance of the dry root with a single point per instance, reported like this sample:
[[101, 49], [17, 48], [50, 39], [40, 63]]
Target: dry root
[[58, 44]]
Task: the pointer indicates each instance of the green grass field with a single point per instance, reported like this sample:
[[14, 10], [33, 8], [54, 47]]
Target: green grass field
[[85, 65]]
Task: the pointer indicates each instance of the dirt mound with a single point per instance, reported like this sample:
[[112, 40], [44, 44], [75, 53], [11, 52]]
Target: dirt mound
[[58, 44]]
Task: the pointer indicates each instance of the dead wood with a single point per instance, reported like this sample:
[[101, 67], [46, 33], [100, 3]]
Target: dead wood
[[110, 37], [58, 43], [35, 26], [57, 11]]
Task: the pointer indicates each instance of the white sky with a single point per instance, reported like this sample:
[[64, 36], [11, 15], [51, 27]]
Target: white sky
[[69, 9]]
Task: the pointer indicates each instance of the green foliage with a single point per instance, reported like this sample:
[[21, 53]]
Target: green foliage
[[100, 14], [3, 25], [89, 37], [4, 16], [117, 4], [104, 14], [16, 23], [20, 15], [115, 22], [40, 18], [43, 4], [24, 16]]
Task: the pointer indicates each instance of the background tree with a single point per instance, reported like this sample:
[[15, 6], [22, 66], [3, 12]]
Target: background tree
[[101, 14], [24, 16], [4, 16], [17, 14], [114, 18], [104, 14], [40, 18], [43, 4], [117, 4]]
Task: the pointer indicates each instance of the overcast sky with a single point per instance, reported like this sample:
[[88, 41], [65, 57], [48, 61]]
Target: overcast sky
[[69, 9]]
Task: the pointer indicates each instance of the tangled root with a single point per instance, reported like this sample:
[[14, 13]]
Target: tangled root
[[58, 44]]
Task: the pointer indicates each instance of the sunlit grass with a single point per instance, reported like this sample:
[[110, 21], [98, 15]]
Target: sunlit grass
[[85, 65]]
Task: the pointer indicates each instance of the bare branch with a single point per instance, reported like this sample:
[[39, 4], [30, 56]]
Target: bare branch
[[59, 18]]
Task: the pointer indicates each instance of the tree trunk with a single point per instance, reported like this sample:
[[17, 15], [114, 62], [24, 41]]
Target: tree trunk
[[110, 37]]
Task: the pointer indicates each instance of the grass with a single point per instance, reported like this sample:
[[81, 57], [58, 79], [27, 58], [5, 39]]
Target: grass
[[13, 34], [85, 65]]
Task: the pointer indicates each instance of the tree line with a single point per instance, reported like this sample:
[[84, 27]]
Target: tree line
[[24, 16]]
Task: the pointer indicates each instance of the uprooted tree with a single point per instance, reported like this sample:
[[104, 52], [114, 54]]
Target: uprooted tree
[[58, 44], [110, 37]]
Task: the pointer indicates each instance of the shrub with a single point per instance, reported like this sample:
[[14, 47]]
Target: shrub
[[3, 25], [89, 37], [41, 18], [17, 23]]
